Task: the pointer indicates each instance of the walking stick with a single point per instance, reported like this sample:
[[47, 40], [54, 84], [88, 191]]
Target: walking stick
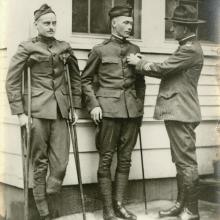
[[26, 145], [142, 167], [73, 136]]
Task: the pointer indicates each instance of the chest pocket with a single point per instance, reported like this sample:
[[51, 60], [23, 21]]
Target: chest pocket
[[40, 63], [109, 60], [39, 58]]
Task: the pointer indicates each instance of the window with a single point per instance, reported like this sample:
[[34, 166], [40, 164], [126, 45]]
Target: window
[[208, 10], [91, 16]]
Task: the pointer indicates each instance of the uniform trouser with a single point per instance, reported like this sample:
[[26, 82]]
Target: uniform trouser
[[120, 134], [182, 143], [49, 148]]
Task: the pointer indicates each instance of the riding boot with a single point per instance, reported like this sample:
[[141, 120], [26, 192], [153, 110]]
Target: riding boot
[[105, 185], [179, 204], [191, 211], [121, 181]]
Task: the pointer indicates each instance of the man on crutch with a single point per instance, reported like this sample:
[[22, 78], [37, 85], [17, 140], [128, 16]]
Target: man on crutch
[[116, 107], [49, 103]]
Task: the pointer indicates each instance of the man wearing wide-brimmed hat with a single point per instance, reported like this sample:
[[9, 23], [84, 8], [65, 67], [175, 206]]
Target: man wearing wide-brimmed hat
[[49, 104], [116, 106], [178, 105]]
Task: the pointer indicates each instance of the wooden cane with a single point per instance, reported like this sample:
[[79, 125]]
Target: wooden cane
[[142, 168]]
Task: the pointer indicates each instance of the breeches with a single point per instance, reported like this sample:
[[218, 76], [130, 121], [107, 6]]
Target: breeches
[[116, 134], [49, 148], [182, 143]]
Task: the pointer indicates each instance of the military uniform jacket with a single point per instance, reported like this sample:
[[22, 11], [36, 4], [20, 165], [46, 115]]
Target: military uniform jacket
[[48, 89], [178, 96], [108, 81]]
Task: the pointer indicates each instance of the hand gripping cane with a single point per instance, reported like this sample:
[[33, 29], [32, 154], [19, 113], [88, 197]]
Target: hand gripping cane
[[73, 135], [142, 167], [26, 144]]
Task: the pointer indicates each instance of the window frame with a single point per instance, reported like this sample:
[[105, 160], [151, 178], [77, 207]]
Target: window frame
[[89, 23], [85, 41], [206, 43]]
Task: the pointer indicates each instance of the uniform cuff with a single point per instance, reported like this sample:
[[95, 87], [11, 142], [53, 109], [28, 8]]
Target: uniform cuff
[[139, 66], [16, 108], [77, 102], [91, 106]]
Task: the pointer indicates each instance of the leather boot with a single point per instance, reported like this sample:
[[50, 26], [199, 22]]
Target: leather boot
[[46, 217], [108, 213], [121, 181], [186, 214], [191, 211], [179, 204], [52, 198], [122, 212], [105, 185]]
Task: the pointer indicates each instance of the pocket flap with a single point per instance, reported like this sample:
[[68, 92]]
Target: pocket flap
[[110, 60], [109, 93], [39, 58], [168, 95], [34, 92]]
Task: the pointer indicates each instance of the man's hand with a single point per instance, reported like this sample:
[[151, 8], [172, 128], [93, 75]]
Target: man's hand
[[23, 120], [64, 57], [133, 59], [75, 115], [96, 115]]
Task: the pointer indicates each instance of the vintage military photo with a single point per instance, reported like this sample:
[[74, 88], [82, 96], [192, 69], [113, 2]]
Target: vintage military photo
[[110, 109]]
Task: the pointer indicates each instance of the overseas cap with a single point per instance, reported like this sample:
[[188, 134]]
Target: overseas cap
[[44, 9], [120, 11]]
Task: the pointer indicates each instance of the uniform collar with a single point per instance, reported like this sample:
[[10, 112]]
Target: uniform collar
[[46, 40], [185, 39], [118, 39]]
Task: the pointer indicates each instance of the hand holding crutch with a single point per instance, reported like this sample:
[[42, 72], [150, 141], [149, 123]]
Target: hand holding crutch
[[73, 135]]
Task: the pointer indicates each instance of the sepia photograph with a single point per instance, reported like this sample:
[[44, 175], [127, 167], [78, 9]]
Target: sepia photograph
[[110, 109]]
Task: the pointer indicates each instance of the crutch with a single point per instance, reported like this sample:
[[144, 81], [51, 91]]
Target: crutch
[[26, 144], [142, 168], [73, 136]]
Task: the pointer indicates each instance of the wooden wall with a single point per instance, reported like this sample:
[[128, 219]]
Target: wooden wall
[[157, 157]]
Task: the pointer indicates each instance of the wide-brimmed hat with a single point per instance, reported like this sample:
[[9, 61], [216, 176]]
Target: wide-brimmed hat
[[185, 14]]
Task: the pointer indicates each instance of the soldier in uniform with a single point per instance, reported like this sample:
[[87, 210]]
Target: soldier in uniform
[[116, 106], [178, 105], [49, 107]]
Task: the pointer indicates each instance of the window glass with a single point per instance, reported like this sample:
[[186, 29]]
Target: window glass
[[80, 16], [91, 16], [99, 16]]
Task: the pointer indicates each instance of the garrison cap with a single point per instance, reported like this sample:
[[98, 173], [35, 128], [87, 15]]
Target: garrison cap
[[120, 11], [44, 9]]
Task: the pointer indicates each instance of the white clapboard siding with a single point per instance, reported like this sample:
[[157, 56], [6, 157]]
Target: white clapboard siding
[[150, 130], [154, 137], [206, 100], [157, 163], [202, 90], [150, 100], [209, 67], [206, 112]]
